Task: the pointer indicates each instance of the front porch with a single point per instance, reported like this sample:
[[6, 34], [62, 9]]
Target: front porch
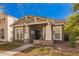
[[38, 34]]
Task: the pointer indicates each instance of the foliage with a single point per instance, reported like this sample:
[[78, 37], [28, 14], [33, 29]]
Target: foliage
[[72, 28], [72, 23], [8, 46], [75, 7], [72, 39], [18, 42]]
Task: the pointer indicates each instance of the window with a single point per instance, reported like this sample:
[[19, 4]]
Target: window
[[18, 34], [4, 20], [0, 20], [2, 33], [57, 35], [2, 37]]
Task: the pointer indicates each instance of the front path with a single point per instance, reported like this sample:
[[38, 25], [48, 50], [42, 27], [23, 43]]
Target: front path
[[14, 51]]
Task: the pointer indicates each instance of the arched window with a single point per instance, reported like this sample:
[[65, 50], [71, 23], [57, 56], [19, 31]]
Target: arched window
[[3, 20]]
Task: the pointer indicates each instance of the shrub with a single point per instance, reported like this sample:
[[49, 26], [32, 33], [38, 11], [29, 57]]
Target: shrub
[[72, 39], [18, 41]]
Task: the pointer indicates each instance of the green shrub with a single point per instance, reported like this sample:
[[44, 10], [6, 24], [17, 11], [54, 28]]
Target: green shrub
[[72, 39], [18, 41]]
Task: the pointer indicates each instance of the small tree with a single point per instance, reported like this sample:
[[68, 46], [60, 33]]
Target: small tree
[[72, 28]]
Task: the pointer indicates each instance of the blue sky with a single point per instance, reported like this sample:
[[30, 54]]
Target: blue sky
[[50, 10]]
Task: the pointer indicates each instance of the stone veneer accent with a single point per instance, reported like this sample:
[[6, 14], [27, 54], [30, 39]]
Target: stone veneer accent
[[39, 43], [27, 41]]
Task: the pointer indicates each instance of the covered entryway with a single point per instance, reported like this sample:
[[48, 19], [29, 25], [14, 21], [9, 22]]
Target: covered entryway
[[37, 32], [41, 34]]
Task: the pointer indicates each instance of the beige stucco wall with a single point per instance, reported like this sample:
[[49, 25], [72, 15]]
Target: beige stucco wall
[[10, 20], [6, 26], [3, 25], [48, 33]]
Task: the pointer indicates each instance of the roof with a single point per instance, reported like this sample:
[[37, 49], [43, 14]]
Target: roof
[[37, 17]]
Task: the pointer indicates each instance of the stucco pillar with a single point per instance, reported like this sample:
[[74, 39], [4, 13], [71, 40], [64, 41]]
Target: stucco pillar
[[27, 34], [49, 35], [61, 33], [48, 32]]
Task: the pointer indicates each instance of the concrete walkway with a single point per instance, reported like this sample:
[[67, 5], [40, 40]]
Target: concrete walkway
[[14, 51]]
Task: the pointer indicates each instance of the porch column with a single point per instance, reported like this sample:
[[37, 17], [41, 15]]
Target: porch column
[[27, 35], [61, 33], [49, 35], [48, 32]]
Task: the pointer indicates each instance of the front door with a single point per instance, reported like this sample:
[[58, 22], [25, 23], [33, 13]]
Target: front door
[[37, 34]]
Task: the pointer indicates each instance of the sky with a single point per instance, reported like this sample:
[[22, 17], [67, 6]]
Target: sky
[[57, 11]]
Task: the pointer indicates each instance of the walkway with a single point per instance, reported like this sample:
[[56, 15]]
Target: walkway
[[14, 51]]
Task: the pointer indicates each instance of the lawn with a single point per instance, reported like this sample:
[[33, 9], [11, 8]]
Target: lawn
[[43, 51], [8, 46]]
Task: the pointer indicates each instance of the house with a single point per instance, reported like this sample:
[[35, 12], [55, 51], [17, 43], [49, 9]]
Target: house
[[38, 30], [5, 29]]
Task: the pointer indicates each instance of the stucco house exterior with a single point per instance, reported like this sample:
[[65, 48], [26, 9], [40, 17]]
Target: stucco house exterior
[[38, 30], [5, 29]]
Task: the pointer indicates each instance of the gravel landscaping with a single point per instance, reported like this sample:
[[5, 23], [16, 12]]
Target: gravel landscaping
[[58, 49]]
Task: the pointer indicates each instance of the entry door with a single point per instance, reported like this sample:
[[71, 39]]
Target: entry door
[[37, 34]]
